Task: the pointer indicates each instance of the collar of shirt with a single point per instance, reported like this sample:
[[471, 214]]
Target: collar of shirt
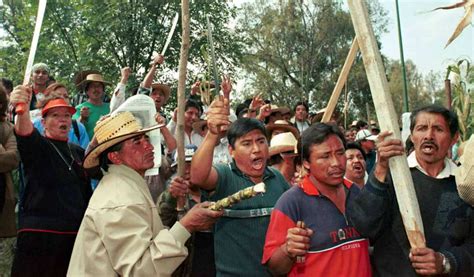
[[309, 188], [447, 171]]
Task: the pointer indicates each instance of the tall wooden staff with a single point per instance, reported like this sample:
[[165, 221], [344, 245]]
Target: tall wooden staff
[[183, 62], [341, 81], [20, 107], [385, 110]]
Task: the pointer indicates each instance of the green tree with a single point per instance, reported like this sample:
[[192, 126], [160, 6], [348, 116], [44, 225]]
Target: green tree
[[295, 49], [417, 93], [108, 35]]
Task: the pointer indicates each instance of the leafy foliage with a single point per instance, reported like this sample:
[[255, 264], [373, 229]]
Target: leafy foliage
[[296, 49], [463, 97], [109, 35]]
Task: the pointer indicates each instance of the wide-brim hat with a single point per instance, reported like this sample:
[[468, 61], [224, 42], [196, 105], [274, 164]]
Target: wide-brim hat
[[113, 130], [276, 109], [283, 142], [282, 125], [93, 77], [57, 103], [164, 88]]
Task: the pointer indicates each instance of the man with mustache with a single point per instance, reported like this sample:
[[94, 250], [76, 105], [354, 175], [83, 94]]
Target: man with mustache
[[325, 244], [239, 234], [447, 221], [355, 167], [121, 233]]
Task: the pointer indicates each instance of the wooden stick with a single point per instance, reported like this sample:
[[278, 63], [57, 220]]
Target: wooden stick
[[341, 81], [183, 62], [385, 110]]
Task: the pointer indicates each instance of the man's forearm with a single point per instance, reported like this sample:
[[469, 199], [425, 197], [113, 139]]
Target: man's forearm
[[280, 263]]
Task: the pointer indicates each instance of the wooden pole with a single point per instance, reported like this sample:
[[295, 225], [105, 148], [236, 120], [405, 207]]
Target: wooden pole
[[183, 62], [385, 110], [447, 89], [341, 81]]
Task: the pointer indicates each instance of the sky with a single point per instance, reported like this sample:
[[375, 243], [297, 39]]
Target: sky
[[425, 34]]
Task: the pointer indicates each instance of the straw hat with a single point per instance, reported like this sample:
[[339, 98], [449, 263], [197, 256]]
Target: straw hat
[[283, 142], [282, 125], [94, 77], [113, 130], [57, 103], [276, 109], [464, 174], [164, 88]]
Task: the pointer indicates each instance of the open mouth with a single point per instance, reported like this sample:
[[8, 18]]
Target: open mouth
[[428, 147], [63, 127], [258, 163], [357, 167]]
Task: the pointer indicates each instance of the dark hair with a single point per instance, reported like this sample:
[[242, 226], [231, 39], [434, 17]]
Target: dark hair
[[356, 145], [241, 109], [299, 103], [103, 157], [361, 124], [7, 84], [190, 103], [316, 134], [450, 117], [243, 126]]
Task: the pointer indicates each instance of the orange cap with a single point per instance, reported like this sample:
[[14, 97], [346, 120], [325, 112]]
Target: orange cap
[[57, 103]]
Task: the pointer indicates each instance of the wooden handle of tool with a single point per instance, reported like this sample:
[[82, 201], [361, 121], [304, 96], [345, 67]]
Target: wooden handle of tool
[[300, 259]]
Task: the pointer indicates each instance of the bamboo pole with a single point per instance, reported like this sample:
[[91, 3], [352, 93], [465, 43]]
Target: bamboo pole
[[341, 81], [385, 110], [183, 61]]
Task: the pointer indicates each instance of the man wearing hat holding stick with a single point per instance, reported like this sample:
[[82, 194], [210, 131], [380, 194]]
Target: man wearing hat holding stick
[[121, 233], [89, 112]]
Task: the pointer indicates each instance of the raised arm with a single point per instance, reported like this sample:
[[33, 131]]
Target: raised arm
[[118, 97], [159, 59], [202, 172], [23, 124]]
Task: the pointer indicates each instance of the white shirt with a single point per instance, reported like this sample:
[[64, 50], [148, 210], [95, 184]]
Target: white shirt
[[448, 170]]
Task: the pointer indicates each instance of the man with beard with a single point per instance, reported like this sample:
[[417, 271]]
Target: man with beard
[[309, 222], [447, 220], [355, 167], [240, 234]]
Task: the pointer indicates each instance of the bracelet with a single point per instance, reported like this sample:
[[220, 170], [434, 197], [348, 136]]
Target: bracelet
[[446, 264]]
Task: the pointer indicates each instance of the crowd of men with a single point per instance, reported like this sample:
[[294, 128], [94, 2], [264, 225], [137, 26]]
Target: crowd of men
[[87, 206]]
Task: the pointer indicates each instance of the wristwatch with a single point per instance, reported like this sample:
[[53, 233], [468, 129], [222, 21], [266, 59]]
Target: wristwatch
[[446, 264]]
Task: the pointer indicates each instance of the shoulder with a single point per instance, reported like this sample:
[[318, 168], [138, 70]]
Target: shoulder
[[115, 191], [290, 198]]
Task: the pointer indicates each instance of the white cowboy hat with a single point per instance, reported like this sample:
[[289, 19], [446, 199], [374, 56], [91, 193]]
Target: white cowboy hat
[[283, 142], [113, 130]]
